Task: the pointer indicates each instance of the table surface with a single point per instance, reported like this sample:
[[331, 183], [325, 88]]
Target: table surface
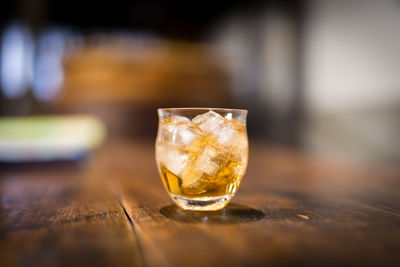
[[112, 210]]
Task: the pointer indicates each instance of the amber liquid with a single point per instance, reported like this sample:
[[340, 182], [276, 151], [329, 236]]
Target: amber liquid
[[211, 169], [224, 183]]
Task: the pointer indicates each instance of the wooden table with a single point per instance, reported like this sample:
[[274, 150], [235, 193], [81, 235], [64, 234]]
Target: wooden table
[[291, 210]]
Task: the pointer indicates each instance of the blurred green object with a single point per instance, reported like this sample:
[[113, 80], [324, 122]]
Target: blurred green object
[[49, 138]]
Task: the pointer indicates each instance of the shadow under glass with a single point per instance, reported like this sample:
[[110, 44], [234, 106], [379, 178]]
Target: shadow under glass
[[231, 214]]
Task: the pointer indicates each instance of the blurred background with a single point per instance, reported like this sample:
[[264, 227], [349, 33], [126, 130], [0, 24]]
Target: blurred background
[[316, 75]]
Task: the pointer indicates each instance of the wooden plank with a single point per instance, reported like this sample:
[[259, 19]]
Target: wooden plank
[[63, 215], [290, 210]]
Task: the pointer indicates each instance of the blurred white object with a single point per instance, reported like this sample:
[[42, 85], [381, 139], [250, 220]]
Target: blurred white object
[[48, 138], [352, 81], [16, 60], [352, 55], [48, 66]]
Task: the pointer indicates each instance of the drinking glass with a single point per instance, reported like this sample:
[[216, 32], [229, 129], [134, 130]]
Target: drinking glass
[[201, 155]]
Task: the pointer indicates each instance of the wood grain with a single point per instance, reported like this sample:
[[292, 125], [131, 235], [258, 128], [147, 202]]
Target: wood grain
[[291, 210], [62, 215]]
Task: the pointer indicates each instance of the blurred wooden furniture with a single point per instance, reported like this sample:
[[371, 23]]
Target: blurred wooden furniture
[[123, 79], [137, 71], [291, 210]]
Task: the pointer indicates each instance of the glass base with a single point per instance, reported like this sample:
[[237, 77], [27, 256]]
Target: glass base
[[202, 203]]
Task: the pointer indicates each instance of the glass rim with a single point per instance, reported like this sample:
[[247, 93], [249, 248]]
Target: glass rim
[[202, 108]]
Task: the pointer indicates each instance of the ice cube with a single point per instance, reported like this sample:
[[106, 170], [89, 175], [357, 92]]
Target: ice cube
[[172, 158], [178, 130], [227, 135], [209, 122], [239, 149], [223, 129], [203, 168], [168, 125], [178, 119], [206, 162], [238, 170], [194, 183], [183, 134]]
